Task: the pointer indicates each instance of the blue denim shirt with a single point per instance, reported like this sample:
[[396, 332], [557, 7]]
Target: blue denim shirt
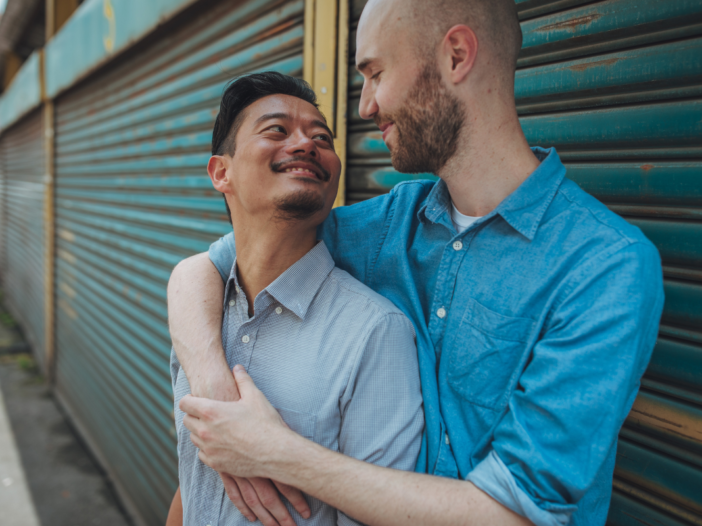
[[534, 327]]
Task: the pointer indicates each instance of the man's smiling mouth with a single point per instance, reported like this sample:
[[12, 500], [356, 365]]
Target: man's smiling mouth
[[304, 166]]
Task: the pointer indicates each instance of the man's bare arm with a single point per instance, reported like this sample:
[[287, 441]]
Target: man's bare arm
[[175, 513], [248, 438], [195, 295], [385, 497]]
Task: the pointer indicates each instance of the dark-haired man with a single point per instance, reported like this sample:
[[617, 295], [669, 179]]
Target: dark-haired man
[[536, 309], [336, 359]]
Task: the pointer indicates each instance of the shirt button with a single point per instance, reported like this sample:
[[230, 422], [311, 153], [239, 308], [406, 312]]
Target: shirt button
[[245, 338], [232, 303], [446, 438], [278, 310], [457, 245], [441, 313]]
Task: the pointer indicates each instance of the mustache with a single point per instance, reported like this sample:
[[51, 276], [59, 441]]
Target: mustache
[[276, 166], [380, 119]]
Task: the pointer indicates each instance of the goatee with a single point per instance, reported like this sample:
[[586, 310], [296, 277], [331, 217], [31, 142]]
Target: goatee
[[298, 206]]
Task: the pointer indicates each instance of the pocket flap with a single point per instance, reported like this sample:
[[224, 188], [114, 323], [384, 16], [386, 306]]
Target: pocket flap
[[508, 328], [302, 423]]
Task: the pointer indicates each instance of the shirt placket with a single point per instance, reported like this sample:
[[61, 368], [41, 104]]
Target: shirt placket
[[454, 254], [245, 330]]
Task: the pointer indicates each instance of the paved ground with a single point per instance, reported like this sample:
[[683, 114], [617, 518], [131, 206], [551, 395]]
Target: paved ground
[[67, 487]]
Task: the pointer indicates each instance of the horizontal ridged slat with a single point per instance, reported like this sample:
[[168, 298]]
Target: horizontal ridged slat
[[23, 264], [616, 87], [133, 199]]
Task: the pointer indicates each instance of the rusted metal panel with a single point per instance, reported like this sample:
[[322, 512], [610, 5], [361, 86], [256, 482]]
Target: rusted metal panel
[[600, 27], [23, 95], [133, 199], [99, 30], [22, 152], [616, 86]]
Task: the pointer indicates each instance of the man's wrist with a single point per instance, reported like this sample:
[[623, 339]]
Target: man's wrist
[[291, 457], [215, 385]]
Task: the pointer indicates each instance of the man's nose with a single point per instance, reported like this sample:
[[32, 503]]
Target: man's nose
[[301, 144], [367, 107]]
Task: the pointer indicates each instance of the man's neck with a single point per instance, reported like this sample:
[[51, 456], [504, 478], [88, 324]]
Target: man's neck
[[492, 160], [264, 252]]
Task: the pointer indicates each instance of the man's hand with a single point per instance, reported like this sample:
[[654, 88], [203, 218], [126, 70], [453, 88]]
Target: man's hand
[[255, 498], [195, 295], [258, 498], [236, 437]]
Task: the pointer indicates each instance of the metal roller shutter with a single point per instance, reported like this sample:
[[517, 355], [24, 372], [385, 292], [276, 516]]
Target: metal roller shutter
[[22, 153], [133, 199], [615, 86]]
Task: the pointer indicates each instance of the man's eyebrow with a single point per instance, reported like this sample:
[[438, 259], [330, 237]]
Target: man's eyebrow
[[363, 64], [323, 124], [269, 116]]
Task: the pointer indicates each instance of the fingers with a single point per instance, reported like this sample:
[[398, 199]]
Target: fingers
[[194, 406], [232, 489], [244, 382], [295, 497], [195, 427], [271, 501], [251, 499]]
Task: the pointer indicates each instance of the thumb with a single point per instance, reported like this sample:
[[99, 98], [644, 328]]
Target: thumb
[[243, 381]]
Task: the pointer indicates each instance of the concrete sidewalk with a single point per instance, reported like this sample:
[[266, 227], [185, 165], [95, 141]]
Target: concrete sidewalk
[[15, 499], [47, 476]]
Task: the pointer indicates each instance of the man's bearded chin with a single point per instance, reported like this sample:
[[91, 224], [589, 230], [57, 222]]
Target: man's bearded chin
[[298, 206], [428, 125]]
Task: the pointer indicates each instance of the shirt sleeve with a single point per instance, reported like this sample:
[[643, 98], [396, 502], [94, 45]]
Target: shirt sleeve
[[573, 397], [382, 413], [222, 254]]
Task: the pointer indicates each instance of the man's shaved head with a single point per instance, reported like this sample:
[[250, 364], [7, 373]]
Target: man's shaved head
[[494, 22], [431, 69]]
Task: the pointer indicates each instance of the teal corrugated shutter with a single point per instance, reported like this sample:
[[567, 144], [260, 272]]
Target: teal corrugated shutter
[[132, 199], [23, 270], [615, 87]]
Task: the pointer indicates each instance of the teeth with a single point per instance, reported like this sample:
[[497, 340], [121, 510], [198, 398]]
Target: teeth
[[299, 170]]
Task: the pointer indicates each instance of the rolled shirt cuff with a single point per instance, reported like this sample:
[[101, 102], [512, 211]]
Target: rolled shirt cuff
[[495, 479]]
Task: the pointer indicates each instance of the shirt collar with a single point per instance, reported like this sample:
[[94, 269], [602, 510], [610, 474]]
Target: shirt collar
[[295, 288], [524, 208]]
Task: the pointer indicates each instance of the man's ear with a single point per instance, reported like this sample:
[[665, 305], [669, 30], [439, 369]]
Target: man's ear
[[217, 170], [460, 49]]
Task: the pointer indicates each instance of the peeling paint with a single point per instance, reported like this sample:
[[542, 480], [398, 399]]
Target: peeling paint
[[570, 25], [588, 65]]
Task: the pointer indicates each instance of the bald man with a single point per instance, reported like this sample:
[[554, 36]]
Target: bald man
[[533, 326]]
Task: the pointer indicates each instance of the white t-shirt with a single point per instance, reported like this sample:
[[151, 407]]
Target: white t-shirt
[[460, 221]]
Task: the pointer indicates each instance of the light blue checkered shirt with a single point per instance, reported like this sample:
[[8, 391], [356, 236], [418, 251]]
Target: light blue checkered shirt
[[336, 359]]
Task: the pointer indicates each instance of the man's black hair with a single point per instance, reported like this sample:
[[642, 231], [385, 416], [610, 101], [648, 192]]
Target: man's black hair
[[243, 91]]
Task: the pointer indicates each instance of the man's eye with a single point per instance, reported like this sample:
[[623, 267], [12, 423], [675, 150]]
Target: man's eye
[[376, 75], [277, 128], [324, 137]]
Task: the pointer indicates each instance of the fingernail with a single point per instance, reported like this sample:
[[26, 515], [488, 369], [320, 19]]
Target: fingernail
[[239, 368]]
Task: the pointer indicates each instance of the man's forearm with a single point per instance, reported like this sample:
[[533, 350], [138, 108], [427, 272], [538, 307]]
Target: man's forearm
[[195, 295], [385, 497]]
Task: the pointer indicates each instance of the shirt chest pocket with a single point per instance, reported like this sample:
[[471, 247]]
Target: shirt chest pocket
[[302, 423], [486, 355]]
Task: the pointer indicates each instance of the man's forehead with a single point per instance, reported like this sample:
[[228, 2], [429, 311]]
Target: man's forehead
[[381, 29], [280, 104]]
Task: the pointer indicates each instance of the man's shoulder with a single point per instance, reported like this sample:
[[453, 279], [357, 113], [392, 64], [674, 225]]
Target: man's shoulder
[[592, 223], [405, 192]]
